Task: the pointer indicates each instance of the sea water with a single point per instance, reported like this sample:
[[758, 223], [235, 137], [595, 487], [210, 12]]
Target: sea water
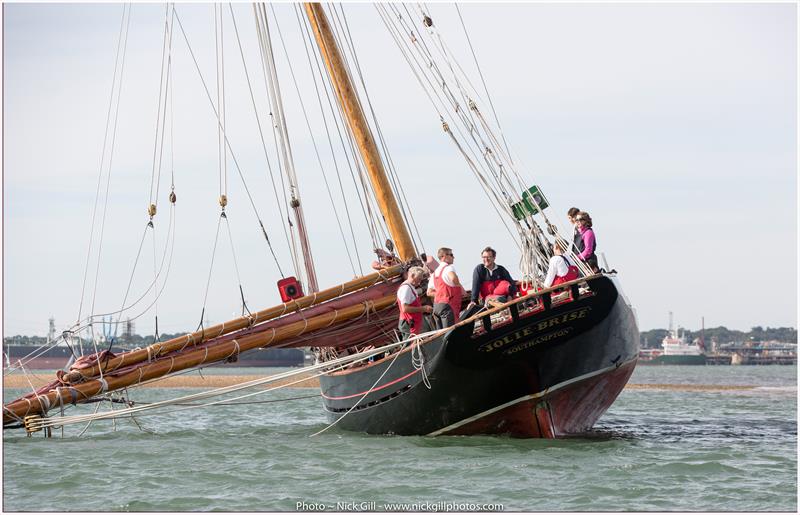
[[686, 446]]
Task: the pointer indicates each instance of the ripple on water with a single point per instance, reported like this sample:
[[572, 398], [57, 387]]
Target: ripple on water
[[655, 450]]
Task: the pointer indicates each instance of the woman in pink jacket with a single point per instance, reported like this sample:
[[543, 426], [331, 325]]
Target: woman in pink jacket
[[587, 254]]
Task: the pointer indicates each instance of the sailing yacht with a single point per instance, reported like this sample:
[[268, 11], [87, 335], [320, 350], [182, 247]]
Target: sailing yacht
[[547, 363]]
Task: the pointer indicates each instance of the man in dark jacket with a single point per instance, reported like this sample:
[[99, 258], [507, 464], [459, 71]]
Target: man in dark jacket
[[490, 280]]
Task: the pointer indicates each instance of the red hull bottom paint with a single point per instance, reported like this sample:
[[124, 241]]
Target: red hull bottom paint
[[567, 410]]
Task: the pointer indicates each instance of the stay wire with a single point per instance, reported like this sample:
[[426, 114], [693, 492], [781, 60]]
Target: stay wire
[[283, 141], [535, 254], [485, 87], [431, 90], [236, 264], [338, 117], [313, 140], [133, 273], [155, 282], [102, 158], [211, 266], [492, 147], [227, 143], [110, 161], [405, 208], [461, 111], [164, 260], [258, 120], [498, 152], [362, 190], [369, 189], [220, 69], [475, 162], [329, 139], [162, 93], [291, 241]]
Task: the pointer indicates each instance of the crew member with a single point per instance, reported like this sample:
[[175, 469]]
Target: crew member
[[385, 260], [411, 309], [560, 269], [447, 290], [577, 241], [491, 281], [587, 255]]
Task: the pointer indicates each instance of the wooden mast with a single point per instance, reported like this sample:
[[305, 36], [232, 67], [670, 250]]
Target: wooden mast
[[361, 131]]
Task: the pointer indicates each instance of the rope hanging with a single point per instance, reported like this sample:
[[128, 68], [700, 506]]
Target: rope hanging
[[495, 169], [122, 43], [284, 142], [227, 141]]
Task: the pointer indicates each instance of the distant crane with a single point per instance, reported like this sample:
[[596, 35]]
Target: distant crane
[[51, 331]]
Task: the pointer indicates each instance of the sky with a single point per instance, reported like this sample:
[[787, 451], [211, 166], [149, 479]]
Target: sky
[[673, 125]]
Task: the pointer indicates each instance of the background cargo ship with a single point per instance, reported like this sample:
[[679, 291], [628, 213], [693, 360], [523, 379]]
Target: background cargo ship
[[675, 350], [51, 357]]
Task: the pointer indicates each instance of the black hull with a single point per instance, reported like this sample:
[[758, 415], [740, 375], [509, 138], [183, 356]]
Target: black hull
[[544, 374]]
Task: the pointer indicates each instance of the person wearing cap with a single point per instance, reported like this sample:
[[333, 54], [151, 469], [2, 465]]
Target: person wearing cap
[[411, 308], [491, 281], [447, 290], [586, 254]]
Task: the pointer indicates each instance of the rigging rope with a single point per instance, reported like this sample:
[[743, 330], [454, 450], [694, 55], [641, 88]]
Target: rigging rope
[[494, 169], [276, 98], [227, 141], [258, 123], [304, 28], [313, 140], [222, 152], [397, 187], [110, 161], [374, 223], [262, 40], [319, 369], [483, 81], [370, 195], [122, 30]]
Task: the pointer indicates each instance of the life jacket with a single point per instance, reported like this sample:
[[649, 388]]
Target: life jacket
[[446, 294], [414, 319], [572, 273], [577, 240]]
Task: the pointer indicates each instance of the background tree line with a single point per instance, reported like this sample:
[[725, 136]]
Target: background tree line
[[129, 341], [649, 339], [722, 334]]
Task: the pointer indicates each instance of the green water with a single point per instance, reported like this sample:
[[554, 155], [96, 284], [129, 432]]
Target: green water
[[655, 450]]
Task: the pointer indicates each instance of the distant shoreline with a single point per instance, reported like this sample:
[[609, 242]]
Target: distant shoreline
[[183, 381], [217, 381]]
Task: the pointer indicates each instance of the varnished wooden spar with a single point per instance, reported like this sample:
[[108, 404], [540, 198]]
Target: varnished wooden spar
[[360, 129], [197, 337], [39, 405]]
